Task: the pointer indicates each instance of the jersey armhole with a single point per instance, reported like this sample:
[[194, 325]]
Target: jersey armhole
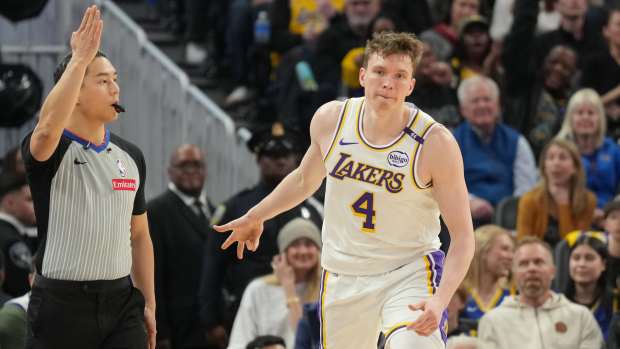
[[338, 130], [416, 155]]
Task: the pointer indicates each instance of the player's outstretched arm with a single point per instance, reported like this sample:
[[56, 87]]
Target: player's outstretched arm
[[294, 188], [61, 101], [442, 158]]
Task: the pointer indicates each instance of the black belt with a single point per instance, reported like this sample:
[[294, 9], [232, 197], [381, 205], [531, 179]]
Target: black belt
[[94, 285]]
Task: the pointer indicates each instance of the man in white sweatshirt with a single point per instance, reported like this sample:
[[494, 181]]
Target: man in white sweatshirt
[[538, 318]]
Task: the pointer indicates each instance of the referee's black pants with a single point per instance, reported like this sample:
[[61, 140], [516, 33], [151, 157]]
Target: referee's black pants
[[85, 314]]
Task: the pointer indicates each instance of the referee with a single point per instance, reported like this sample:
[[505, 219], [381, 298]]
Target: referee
[[94, 282]]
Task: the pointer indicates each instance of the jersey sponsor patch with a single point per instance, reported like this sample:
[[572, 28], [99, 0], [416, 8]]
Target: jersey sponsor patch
[[124, 184], [398, 158]]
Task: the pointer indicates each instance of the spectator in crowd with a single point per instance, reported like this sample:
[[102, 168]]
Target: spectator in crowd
[[248, 54], [13, 162], [473, 53], [611, 223], [273, 304], [416, 15], [576, 30], [503, 17], [16, 216], [535, 96], [586, 125], [462, 342], [179, 226], [346, 32], [266, 342], [537, 317], [602, 72], [587, 284], [488, 278], [560, 203], [498, 160], [444, 35], [221, 270], [299, 22], [433, 91]]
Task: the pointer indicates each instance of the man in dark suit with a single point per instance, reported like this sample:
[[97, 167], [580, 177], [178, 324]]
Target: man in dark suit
[[178, 221]]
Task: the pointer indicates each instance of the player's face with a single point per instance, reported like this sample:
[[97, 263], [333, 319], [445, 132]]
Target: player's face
[[612, 29], [558, 166], [188, 170], [99, 91], [499, 256], [462, 9], [585, 265], [533, 270], [585, 119], [481, 106], [302, 255], [387, 81]]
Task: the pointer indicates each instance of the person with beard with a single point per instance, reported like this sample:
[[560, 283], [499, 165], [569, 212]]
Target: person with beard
[[224, 277], [179, 226], [488, 278], [535, 98], [537, 317]]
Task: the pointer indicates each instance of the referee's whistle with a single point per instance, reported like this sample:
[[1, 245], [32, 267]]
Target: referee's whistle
[[119, 108]]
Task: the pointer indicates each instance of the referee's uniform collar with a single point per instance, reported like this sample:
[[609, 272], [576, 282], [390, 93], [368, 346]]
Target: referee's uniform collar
[[87, 144]]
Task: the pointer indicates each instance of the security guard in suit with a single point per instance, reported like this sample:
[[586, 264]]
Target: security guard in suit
[[224, 277]]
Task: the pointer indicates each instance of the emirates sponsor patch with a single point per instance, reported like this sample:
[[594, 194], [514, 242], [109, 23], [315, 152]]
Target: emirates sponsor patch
[[124, 184]]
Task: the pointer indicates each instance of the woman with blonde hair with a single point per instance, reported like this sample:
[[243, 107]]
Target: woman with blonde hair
[[272, 304], [586, 125], [560, 203], [488, 278]]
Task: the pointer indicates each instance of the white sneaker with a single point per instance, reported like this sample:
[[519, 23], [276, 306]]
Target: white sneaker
[[194, 53], [238, 95]]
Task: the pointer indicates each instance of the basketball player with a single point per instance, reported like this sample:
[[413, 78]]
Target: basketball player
[[391, 170]]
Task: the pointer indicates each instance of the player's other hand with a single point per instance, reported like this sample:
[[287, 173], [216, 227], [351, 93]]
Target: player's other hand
[[86, 39], [246, 230], [429, 319]]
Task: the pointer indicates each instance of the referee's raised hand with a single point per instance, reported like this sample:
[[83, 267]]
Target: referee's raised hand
[[86, 39], [246, 230]]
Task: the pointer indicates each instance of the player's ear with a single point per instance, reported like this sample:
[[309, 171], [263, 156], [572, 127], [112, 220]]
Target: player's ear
[[362, 76], [411, 85]]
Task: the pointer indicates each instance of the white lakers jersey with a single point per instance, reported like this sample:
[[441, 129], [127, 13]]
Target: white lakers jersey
[[378, 215]]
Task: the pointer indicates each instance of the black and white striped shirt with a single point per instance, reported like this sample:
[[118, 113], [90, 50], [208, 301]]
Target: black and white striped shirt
[[84, 197]]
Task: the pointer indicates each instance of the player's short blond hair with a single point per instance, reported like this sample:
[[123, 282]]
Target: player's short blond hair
[[389, 43]]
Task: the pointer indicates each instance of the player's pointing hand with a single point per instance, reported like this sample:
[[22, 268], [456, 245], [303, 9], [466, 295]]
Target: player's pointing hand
[[246, 230]]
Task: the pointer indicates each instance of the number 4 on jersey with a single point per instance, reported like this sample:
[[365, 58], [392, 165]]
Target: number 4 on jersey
[[363, 207]]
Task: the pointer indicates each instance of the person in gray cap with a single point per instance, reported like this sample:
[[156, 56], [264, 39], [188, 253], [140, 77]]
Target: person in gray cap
[[273, 304]]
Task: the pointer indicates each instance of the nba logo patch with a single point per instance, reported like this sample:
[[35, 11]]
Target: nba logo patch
[[121, 168]]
